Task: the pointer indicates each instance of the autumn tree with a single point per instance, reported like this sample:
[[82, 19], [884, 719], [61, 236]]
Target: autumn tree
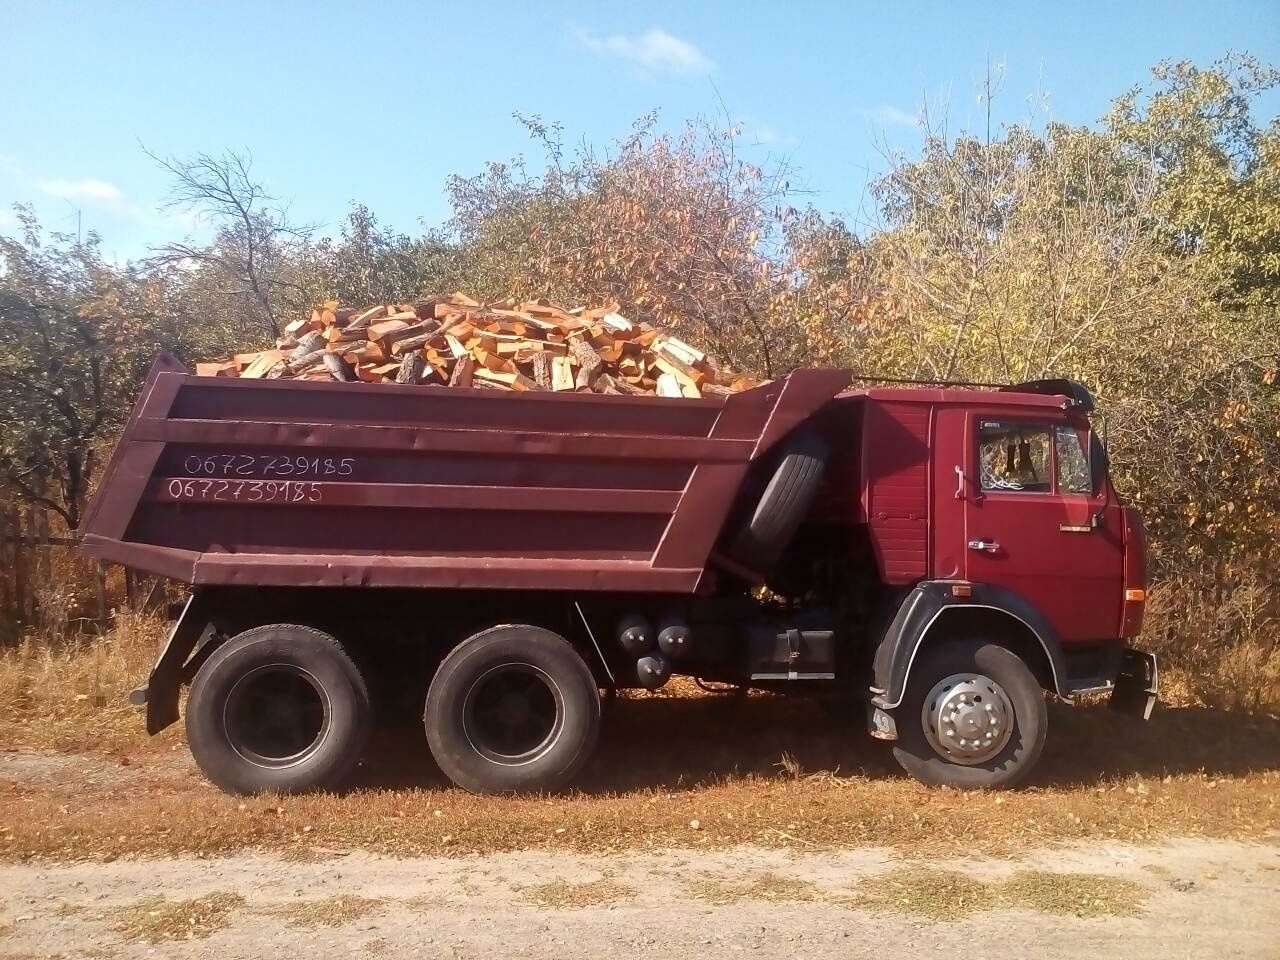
[[72, 347], [681, 229]]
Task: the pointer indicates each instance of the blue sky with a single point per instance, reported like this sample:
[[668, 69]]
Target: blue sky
[[380, 102]]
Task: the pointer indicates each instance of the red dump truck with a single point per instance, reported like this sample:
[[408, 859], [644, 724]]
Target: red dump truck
[[938, 556]]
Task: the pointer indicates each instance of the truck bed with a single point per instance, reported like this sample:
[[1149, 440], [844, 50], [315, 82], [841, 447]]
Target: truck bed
[[295, 483]]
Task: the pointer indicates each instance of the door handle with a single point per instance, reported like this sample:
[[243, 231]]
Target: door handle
[[984, 546], [1075, 528]]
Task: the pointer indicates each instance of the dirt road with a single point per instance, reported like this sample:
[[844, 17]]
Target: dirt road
[[1183, 899]]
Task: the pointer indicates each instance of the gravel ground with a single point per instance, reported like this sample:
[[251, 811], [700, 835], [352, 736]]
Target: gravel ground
[[1212, 899]]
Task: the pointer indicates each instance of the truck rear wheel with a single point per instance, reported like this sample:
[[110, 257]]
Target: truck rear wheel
[[973, 716], [513, 708], [279, 707]]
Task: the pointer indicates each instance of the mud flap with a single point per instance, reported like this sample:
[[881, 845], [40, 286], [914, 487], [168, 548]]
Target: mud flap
[[1137, 684], [160, 693]]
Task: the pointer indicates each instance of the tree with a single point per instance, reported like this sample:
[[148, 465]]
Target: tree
[[370, 263], [254, 239], [679, 229], [1219, 171], [71, 351]]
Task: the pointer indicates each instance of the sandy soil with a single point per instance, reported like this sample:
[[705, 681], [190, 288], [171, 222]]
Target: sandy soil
[[1207, 899]]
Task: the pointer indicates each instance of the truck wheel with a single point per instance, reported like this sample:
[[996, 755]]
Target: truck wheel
[[513, 708], [278, 707], [783, 505], [973, 716]]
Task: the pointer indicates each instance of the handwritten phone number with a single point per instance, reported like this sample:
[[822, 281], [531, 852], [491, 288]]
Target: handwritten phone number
[[248, 465], [246, 491]]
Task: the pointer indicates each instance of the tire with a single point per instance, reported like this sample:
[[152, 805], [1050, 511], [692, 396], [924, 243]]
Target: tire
[[512, 709], [783, 505], [1016, 695], [279, 707]]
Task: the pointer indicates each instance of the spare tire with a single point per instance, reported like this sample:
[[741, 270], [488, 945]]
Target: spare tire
[[784, 504]]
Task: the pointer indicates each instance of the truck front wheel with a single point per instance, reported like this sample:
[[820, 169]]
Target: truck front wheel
[[279, 707], [973, 716], [513, 708]]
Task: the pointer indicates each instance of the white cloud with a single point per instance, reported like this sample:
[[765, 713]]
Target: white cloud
[[90, 190], [654, 49], [888, 115]]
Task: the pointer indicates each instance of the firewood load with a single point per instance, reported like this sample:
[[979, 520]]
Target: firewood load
[[459, 342]]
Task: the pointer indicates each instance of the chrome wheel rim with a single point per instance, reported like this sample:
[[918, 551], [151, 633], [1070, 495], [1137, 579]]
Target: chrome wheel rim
[[967, 718]]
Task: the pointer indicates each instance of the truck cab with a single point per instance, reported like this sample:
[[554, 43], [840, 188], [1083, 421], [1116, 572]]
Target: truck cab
[[993, 521]]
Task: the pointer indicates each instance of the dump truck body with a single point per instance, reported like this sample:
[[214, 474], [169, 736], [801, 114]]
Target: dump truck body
[[943, 555], [274, 483]]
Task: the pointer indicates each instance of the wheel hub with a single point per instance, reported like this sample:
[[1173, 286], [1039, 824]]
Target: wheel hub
[[967, 718]]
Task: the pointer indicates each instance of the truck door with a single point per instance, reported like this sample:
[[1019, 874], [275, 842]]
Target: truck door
[[1040, 525]]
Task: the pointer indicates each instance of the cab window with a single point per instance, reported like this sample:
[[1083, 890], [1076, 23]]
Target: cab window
[[1015, 457], [1074, 475]]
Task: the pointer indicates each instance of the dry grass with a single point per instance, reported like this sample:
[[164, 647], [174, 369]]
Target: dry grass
[[328, 912], [70, 695], [1226, 650], [1073, 894], [767, 886], [156, 920], [568, 895], [734, 765], [936, 894], [923, 892]]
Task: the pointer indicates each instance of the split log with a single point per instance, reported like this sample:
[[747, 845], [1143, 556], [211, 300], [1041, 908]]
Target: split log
[[411, 368], [337, 367], [589, 363]]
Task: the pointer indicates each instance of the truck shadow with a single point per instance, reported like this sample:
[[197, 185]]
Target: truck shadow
[[675, 743]]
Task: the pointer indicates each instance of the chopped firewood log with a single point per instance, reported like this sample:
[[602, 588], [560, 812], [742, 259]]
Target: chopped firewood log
[[411, 368], [337, 367], [669, 386], [263, 362], [542, 369], [383, 328], [710, 389], [561, 373], [226, 369], [306, 361], [463, 371], [501, 345], [589, 364], [402, 347], [313, 341], [366, 317]]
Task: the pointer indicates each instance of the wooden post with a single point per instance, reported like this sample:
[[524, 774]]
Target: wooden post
[[100, 586], [8, 580], [21, 554]]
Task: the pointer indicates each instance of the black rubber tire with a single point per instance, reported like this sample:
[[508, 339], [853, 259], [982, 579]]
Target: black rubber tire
[[553, 761], [221, 749], [1012, 764], [784, 504]]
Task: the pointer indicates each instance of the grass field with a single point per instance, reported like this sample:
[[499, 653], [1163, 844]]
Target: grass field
[[80, 780]]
